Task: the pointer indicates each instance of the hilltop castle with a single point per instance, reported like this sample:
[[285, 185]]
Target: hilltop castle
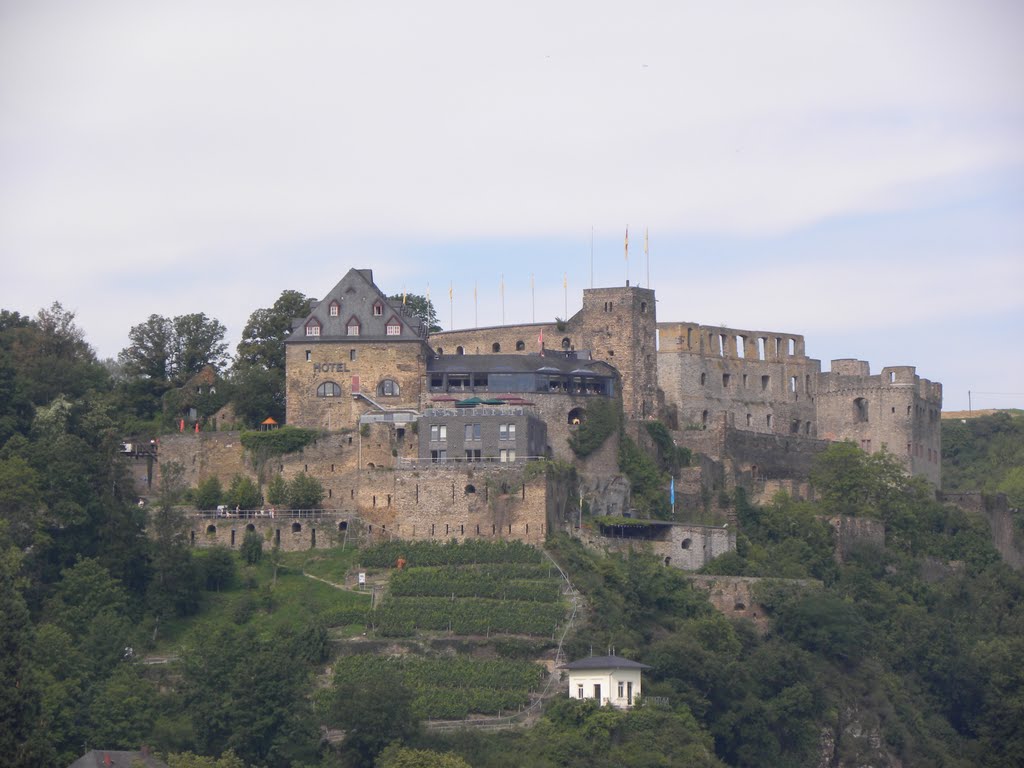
[[357, 358], [431, 435]]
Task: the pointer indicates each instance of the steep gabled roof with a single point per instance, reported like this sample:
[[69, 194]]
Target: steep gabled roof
[[356, 295]]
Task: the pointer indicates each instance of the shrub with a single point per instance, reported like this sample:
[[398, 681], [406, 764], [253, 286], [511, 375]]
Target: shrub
[[252, 548]]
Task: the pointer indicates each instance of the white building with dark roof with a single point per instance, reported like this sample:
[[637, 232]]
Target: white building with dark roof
[[606, 679]]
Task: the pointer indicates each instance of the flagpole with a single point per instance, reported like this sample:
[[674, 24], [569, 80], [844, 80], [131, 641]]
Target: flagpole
[[591, 255], [503, 298], [627, 254], [451, 305], [533, 301], [647, 255], [476, 308], [565, 290]]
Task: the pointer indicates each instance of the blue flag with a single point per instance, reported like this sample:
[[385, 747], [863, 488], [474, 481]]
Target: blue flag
[[672, 492]]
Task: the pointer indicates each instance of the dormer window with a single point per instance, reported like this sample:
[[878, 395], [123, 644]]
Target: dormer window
[[335, 308], [378, 309], [313, 327], [353, 326], [394, 326]]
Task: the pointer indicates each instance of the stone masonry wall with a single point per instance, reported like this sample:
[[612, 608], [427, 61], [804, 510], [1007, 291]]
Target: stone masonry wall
[[353, 365], [762, 379], [895, 410]]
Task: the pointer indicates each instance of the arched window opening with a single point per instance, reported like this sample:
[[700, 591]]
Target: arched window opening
[[576, 416], [328, 389], [566, 343], [470, 489], [388, 388], [495, 347], [643, 311], [440, 351], [860, 410], [211, 530], [520, 345], [460, 351], [704, 418], [296, 527], [343, 525], [687, 543]]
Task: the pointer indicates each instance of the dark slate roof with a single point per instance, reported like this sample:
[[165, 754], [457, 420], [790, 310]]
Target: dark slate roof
[[604, 662], [112, 758], [356, 294], [532, 363]]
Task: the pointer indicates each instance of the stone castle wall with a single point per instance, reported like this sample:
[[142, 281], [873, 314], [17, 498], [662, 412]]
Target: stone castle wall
[[684, 546], [763, 380], [895, 411]]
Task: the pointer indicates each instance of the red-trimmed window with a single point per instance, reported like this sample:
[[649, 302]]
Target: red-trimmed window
[[313, 327], [378, 309], [394, 326], [335, 308], [353, 326]]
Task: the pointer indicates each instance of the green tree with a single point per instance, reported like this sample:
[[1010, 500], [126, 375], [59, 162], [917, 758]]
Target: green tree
[[258, 371], [151, 352], [420, 307], [218, 566], [172, 350], [208, 494], [262, 344], [19, 698], [397, 756], [1012, 485], [174, 589], [373, 713], [198, 342], [252, 548], [305, 492], [243, 493], [277, 490], [21, 500]]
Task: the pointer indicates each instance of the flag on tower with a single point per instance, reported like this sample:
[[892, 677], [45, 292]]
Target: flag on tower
[[627, 243]]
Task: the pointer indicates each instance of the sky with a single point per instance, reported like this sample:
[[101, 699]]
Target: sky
[[849, 171]]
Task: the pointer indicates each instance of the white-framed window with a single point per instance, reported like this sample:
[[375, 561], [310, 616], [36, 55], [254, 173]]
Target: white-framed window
[[335, 308], [313, 327], [388, 388], [328, 389], [472, 432], [439, 455], [378, 309], [622, 689], [506, 431], [438, 433], [353, 327], [507, 455], [579, 691], [394, 327]]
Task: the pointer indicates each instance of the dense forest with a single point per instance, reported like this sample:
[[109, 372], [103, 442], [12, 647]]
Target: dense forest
[[114, 633]]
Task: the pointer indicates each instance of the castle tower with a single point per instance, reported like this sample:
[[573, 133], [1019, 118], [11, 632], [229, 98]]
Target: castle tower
[[895, 410], [619, 326]]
